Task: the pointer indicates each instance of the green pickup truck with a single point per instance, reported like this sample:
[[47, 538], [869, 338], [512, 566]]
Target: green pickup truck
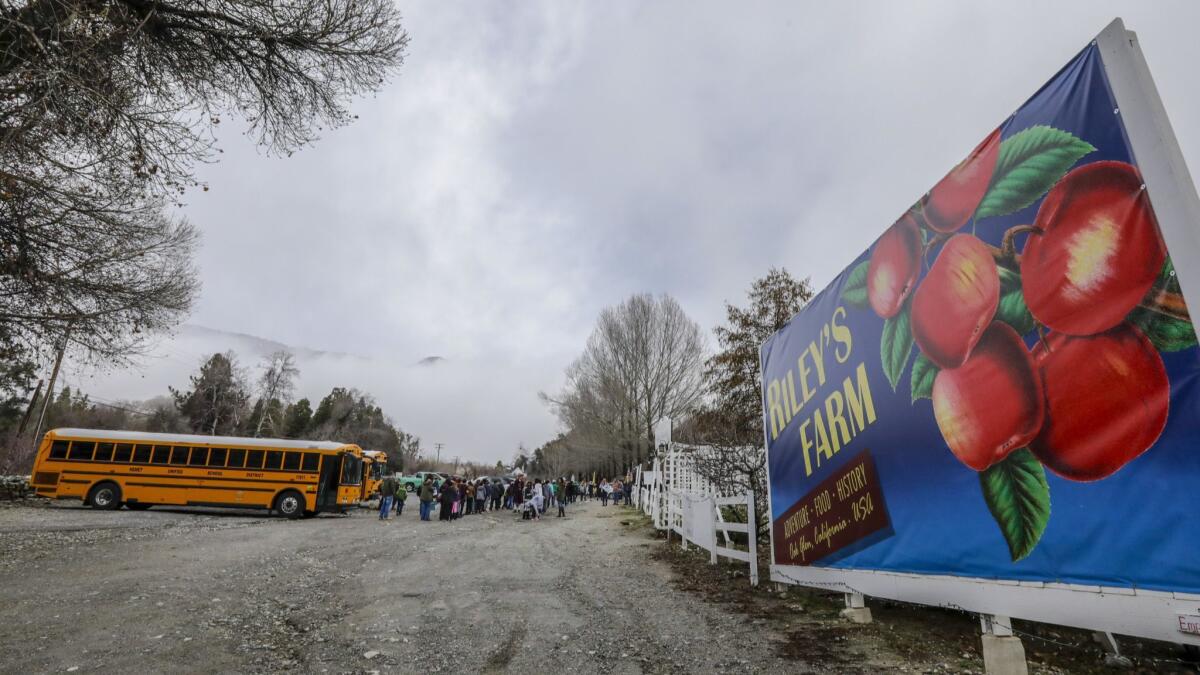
[[413, 483]]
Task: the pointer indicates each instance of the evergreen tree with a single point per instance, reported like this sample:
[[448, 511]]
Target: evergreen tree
[[16, 382], [216, 403], [299, 418], [733, 372]]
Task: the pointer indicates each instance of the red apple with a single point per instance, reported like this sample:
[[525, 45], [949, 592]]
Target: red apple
[[953, 200], [956, 301], [895, 264], [1107, 398], [1098, 251], [992, 404]]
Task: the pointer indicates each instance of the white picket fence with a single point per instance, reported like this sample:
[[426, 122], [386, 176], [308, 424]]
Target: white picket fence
[[678, 499]]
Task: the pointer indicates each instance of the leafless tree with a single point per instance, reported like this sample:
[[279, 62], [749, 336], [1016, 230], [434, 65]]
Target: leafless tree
[[276, 383], [105, 108], [643, 363]]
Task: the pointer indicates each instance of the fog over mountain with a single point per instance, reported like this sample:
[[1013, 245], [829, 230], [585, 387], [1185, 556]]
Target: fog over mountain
[[436, 398]]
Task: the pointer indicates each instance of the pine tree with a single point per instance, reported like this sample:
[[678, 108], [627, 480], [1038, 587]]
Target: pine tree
[[299, 419], [216, 403], [733, 374]]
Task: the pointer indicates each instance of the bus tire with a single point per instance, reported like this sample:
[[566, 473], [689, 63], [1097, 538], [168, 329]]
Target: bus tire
[[290, 504], [137, 506], [105, 496]]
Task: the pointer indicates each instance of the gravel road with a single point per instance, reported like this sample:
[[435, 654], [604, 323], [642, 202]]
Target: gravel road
[[218, 591]]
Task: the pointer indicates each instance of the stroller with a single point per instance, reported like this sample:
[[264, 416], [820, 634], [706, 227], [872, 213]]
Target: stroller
[[527, 510]]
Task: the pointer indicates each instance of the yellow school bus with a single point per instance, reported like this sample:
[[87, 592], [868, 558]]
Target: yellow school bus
[[106, 469], [374, 466]]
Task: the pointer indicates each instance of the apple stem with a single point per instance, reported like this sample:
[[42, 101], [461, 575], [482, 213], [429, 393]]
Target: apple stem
[[1167, 303], [1041, 331], [1008, 246], [936, 239]]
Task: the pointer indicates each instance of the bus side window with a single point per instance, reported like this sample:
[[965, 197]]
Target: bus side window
[[237, 458], [254, 459], [216, 457], [141, 454], [311, 461], [199, 457], [291, 461], [104, 452], [274, 457], [58, 449], [82, 450], [162, 453], [123, 453]]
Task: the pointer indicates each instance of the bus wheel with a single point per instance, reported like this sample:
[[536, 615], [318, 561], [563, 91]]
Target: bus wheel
[[137, 506], [290, 504], [105, 496]]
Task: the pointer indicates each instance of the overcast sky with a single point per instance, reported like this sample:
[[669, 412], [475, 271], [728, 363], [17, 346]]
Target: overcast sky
[[534, 162]]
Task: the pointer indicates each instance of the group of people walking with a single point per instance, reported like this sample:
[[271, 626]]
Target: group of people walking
[[531, 497]]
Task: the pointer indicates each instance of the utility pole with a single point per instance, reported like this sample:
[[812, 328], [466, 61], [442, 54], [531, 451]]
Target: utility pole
[[37, 431], [33, 401], [439, 452]]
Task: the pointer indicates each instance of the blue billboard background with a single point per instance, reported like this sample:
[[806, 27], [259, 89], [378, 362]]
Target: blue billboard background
[[1135, 528]]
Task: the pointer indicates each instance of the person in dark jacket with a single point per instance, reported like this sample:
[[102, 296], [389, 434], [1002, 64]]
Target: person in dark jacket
[[447, 495], [387, 492], [427, 497]]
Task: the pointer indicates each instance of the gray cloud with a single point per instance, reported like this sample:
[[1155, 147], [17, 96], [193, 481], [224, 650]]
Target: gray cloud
[[534, 162]]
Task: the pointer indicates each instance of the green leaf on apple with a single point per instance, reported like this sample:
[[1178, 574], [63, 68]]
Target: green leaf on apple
[[1012, 309], [896, 344], [924, 372], [1167, 333], [1166, 277], [854, 291], [1009, 279], [1018, 496], [1031, 161]]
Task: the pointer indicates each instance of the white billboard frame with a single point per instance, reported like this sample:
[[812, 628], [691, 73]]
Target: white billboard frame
[[1125, 611]]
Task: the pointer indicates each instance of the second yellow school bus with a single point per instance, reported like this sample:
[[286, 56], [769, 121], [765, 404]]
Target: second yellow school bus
[[374, 464], [108, 469]]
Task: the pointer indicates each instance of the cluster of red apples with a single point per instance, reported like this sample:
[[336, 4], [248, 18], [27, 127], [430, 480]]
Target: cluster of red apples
[[1092, 394]]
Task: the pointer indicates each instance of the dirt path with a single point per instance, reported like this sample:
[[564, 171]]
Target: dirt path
[[169, 590]]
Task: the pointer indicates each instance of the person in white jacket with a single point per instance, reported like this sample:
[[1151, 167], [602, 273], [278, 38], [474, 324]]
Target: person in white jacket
[[536, 497]]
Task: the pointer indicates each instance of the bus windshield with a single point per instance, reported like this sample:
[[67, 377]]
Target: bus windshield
[[351, 470]]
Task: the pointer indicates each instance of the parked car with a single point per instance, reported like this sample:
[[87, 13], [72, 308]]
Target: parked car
[[413, 482]]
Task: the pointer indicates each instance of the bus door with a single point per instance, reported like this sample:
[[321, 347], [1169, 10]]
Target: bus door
[[327, 484]]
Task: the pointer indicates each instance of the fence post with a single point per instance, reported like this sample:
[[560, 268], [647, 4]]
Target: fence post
[[682, 522], [712, 504], [751, 534]]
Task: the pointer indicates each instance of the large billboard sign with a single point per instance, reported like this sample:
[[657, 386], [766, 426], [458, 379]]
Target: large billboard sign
[[1002, 392]]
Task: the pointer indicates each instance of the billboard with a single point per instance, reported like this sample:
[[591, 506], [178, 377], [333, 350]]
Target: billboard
[[1004, 387]]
